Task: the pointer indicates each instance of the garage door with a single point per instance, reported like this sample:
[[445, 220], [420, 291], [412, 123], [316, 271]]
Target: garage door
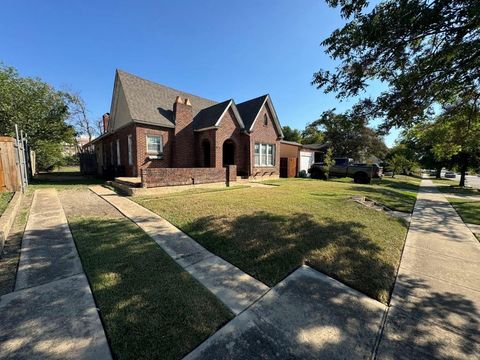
[[306, 160]]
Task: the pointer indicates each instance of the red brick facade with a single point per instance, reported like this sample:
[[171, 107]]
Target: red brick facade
[[187, 153], [266, 134], [152, 177]]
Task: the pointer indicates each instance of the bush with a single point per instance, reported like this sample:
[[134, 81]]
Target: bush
[[302, 174], [71, 160], [48, 155]]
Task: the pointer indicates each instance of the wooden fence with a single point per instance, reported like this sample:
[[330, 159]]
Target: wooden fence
[[16, 165]]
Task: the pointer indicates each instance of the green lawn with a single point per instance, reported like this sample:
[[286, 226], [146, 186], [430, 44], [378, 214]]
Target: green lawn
[[451, 187], [5, 198], [150, 306], [398, 193], [468, 210], [268, 232], [63, 180]]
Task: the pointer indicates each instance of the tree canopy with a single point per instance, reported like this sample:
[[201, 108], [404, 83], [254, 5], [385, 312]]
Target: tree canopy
[[290, 134], [39, 110], [426, 52], [349, 135]]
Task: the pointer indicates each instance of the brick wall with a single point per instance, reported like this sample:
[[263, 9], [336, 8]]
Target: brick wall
[[156, 177], [106, 152], [183, 154], [141, 156], [207, 137], [266, 134], [229, 129]]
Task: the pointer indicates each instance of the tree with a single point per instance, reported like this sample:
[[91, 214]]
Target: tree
[[401, 159], [399, 164], [420, 141], [426, 52], [79, 116], [37, 108], [459, 134], [327, 163], [349, 135], [290, 134], [311, 135]]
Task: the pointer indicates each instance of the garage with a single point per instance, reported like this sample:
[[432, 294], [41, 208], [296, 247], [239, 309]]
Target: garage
[[306, 160]]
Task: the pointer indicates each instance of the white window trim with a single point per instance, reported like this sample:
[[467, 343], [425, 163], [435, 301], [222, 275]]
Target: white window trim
[[263, 155], [119, 162], [154, 153], [130, 150]]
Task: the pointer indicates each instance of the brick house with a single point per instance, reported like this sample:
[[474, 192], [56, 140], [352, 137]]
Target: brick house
[[151, 126]]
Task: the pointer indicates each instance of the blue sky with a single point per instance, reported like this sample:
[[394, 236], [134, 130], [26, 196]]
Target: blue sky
[[215, 49]]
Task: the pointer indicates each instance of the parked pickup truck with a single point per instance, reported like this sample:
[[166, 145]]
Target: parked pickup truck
[[345, 167]]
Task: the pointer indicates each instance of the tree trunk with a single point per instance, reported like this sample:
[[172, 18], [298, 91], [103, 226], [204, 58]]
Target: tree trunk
[[463, 169], [438, 173]]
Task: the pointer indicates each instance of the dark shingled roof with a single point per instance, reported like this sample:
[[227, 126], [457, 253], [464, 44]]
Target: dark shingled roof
[[249, 109], [152, 103], [209, 116]]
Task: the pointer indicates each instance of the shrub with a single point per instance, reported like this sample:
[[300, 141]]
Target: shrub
[[48, 155]]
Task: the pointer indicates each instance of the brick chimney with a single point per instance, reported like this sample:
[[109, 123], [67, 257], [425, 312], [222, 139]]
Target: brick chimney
[[105, 118], [184, 136]]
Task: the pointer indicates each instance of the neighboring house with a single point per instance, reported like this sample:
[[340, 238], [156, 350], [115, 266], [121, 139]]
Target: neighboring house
[[296, 157], [154, 126]]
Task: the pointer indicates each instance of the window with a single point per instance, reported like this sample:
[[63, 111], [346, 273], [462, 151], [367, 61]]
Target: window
[[118, 152], [264, 155], [265, 120], [130, 155], [154, 144]]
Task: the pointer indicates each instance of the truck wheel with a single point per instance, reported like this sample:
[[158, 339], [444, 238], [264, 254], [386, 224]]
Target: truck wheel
[[361, 178], [316, 174]]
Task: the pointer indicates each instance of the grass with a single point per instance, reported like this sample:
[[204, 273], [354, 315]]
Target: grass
[[5, 198], [268, 232], [451, 187], [469, 211], [150, 306], [63, 180], [399, 193]]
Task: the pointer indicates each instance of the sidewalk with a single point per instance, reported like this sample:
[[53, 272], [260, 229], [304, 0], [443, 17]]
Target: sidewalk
[[52, 313], [236, 289], [308, 315], [435, 305]]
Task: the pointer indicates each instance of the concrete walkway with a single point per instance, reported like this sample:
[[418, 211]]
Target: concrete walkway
[[236, 289], [52, 313], [435, 305], [306, 316]]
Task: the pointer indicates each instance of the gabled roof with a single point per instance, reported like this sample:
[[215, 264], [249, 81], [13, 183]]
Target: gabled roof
[[152, 103], [249, 110], [210, 117]]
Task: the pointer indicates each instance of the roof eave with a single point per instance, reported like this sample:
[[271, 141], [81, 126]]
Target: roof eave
[[207, 128]]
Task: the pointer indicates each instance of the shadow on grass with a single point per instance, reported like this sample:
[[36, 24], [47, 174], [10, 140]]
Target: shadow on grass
[[269, 247], [150, 306], [396, 184], [394, 200], [67, 179]]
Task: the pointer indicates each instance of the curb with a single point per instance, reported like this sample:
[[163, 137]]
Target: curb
[[7, 218]]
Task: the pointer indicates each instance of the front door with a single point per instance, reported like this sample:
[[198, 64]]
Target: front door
[[228, 153]]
